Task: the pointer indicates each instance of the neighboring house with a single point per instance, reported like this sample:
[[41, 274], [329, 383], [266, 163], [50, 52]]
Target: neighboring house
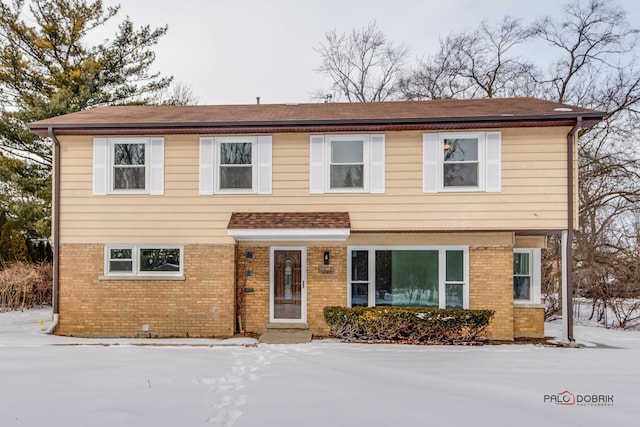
[[180, 221]]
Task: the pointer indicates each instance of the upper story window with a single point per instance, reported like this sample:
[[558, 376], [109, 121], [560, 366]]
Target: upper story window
[[235, 164], [462, 161], [128, 166], [462, 164], [347, 164]]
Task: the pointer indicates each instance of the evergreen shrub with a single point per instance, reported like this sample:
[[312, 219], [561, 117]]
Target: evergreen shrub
[[413, 325]]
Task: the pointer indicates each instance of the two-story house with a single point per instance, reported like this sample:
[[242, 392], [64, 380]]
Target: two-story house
[[195, 221]]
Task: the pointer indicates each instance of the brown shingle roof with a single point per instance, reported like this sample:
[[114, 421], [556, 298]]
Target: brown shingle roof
[[288, 220], [126, 118]]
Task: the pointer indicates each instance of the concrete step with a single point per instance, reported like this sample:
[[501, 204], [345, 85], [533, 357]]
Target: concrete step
[[291, 325], [286, 333]]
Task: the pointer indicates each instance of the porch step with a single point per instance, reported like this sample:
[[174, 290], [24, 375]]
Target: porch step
[[286, 333]]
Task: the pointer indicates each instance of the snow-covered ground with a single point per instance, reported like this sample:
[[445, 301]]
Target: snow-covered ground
[[59, 381]]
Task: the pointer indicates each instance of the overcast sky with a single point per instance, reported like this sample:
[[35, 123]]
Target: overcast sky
[[231, 51]]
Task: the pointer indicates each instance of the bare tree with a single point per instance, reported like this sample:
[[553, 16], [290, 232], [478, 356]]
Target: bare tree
[[592, 37], [482, 63], [596, 68], [363, 66], [593, 52], [176, 94]]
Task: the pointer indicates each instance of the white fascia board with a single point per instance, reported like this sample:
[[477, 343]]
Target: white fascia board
[[289, 234]]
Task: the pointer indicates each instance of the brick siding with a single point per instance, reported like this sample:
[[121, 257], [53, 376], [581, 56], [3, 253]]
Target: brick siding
[[491, 287], [200, 306], [528, 322], [217, 284]]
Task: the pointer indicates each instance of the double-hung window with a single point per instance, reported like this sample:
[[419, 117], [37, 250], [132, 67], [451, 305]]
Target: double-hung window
[[462, 161], [235, 165], [461, 165], [347, 168], [128, 166], [143, 261], [408, 276], [348, 163], [129, 162], [526, 275]]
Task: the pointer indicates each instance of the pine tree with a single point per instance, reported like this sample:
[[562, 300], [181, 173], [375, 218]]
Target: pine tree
[[50, 67]]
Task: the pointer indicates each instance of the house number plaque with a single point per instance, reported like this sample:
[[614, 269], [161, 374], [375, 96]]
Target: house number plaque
[[325, 269]]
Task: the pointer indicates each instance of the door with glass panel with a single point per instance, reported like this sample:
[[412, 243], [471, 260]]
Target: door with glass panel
[[288, 285]]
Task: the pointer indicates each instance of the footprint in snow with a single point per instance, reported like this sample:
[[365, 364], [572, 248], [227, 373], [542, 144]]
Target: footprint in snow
[[225, 417], [227, 401]]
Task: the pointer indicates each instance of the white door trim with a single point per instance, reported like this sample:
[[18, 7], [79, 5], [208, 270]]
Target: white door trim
[[303, 277]]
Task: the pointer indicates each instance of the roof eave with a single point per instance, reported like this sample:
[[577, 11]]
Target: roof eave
[[589, 118]]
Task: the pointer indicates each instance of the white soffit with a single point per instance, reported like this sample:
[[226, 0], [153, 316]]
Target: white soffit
[[289, 234]]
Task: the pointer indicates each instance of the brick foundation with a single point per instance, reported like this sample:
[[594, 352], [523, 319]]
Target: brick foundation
[[325, 290], [528, 322], [218, 285], [253, 307], [200, 306], [491, 287]]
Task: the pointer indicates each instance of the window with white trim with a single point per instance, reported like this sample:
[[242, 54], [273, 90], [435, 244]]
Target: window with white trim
[[527, 270], [348, 163], [143, 260], [462, 161], [408, 276], [347, 169], [235, 165], [129, 163], [128, 166]]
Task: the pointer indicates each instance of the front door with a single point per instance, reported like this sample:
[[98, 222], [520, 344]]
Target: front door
[[288, 286]]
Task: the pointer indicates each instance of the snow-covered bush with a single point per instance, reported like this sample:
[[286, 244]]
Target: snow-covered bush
[[412, 325]]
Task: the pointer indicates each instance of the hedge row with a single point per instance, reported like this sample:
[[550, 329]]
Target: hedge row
[[412, 325]]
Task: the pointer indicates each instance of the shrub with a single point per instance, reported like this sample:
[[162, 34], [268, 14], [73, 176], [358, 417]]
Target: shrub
[[412, 325], [24, 285]]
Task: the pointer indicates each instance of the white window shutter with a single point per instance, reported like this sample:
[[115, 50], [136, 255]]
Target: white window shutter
[[264, 164], [376, 168], [156, 166], [494, 160], [207, 165], [100, 166], [316, 160], [430, 159]]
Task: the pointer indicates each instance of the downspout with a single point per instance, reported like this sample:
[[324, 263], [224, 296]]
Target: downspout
[[55, 224], [568, 300]]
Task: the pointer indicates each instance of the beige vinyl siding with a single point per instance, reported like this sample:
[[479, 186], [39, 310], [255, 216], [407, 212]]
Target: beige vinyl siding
[[531, 242], [533, 193]]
